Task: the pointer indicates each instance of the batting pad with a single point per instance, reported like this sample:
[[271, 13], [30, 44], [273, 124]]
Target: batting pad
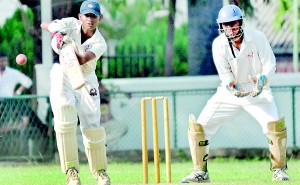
[[198, 144], [67, 145], [277, 136], [65, 129], [94, 141]]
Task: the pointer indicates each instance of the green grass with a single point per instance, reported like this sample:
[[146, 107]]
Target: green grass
[[222, 171]]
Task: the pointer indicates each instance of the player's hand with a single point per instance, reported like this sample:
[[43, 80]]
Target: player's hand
[[259, 84], [59, 38], [71, 42], [236, 89]]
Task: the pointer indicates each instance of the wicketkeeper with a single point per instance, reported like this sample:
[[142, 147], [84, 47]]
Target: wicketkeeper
[[244, 61], [74, 91]]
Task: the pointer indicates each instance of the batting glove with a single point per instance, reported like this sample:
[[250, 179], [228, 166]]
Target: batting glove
[[59, 38], [260, 83]]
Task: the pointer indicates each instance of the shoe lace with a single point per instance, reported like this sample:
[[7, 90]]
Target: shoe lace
[[196, 173], [280, 172], [101, 174], [72, 174]]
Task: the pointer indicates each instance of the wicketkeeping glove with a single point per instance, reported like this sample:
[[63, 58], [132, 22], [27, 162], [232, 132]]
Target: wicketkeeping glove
[[259, 84], [236, 89]]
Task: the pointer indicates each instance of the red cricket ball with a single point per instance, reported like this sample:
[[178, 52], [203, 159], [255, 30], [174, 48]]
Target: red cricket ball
[[21, 59]]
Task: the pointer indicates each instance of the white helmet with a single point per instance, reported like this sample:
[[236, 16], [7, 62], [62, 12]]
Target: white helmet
[[231, 13]]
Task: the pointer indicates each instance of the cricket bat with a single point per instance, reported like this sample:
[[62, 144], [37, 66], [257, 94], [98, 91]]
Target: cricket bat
[[72, 67]]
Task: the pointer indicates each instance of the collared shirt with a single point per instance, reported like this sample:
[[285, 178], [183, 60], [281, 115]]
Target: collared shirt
[[10, 79], [95, 44], [255, 57]]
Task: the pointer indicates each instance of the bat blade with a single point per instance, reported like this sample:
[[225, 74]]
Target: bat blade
[[72, 67]]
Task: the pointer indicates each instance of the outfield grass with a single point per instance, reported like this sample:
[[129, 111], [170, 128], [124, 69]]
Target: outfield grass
[[222, 171]]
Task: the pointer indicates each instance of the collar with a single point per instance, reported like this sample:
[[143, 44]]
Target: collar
[[78, 30]]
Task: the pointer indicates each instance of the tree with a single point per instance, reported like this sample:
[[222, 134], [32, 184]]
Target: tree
[[202, 29], [18, 41], [169, 55]]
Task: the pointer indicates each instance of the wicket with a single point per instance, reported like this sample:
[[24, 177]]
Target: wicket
[[155, 138]]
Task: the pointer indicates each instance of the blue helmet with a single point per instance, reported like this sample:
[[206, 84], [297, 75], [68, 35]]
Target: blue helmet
[[229, 13]]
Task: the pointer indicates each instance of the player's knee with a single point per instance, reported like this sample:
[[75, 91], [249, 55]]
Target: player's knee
[[193, 125], [196, 132], [276, 126], [94, 137], [65, 113], [65, 127]]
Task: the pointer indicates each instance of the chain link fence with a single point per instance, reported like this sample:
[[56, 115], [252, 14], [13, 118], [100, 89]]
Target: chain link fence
[[26, 130], [35, 139], [241, 132]]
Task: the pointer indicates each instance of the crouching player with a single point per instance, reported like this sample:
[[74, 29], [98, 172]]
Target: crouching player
[[74, 91], [244, 60]]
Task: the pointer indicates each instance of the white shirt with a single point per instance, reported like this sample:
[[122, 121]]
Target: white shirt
[[255, 57], [10, 79], [95, 44]]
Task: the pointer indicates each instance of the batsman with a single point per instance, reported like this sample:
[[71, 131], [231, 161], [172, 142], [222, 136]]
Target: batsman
[[74, 91], [244, 61]]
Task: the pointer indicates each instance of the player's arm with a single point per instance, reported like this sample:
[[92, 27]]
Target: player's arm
[[24, 81], [20, 90], [268, 62], [222, 65], [45, 25], [61, 26], [95, 52], [85, 57], [266, 55]]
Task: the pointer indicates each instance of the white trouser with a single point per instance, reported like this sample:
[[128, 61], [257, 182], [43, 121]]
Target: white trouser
[[86, 100], [66, 105], [224, 106]]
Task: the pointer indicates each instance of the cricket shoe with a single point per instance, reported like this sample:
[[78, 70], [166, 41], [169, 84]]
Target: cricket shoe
[[72, 177], [280, 175], [102, 177], [197, 176]]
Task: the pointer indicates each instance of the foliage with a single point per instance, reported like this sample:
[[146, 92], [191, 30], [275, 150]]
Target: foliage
[[15, 40], [245, 5], [180, 63], [153, 36], [123, 17], [285, 7]]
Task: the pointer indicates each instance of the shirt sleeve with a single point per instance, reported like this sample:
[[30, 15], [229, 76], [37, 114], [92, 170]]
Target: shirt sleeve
[[99, 46], [23, 79], [222, 63], [60, 25], [266, 55]]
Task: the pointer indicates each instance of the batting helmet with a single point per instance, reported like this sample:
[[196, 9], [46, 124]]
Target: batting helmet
[[230, 13]]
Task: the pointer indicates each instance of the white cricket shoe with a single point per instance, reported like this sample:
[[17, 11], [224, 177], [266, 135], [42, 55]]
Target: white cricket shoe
[[280, 175], [102, 177], [72, 177], [197, 176]]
